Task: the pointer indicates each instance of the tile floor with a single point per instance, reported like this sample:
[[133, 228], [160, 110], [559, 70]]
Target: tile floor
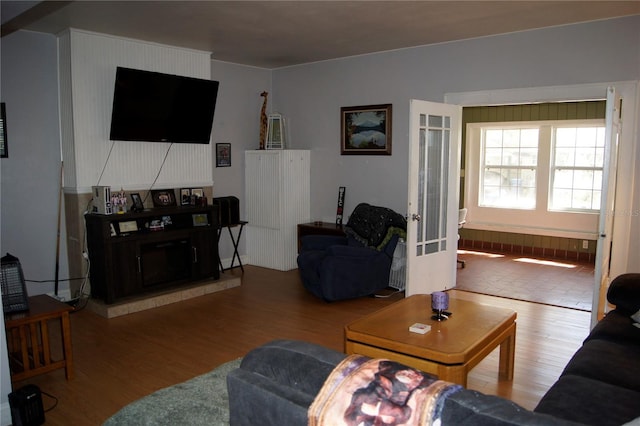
[[552, 282]]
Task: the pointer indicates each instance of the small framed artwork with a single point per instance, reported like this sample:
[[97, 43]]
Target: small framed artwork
[[137, 202], [128, 226], [163, 197], [4, 148], [365, 130], [185, 196], [223, 155], [200, 219]]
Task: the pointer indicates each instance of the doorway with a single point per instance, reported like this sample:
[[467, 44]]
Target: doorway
[[621, 244]]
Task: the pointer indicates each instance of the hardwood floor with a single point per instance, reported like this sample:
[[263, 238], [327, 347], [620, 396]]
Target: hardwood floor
[[122, 359]]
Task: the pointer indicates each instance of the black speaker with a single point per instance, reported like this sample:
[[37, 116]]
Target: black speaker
[[26, 406], [228, 210]]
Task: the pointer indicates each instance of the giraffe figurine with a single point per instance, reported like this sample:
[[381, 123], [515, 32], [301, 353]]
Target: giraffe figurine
[[263, 121]]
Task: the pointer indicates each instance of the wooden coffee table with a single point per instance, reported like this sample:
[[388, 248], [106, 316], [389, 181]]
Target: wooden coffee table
[[452, 347]]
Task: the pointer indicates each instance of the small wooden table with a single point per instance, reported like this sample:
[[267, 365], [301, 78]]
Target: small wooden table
[[28, 338], [452, 347]]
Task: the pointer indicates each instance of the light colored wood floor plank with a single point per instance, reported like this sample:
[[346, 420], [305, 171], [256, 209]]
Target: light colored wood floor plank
[[122, 359]]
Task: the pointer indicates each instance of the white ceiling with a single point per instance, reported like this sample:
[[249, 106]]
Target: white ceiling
[[273, 34]]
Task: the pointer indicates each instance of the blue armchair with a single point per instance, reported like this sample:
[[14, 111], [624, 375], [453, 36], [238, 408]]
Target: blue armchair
[[336, 268]]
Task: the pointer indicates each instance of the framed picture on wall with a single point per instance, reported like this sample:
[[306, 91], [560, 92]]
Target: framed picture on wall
[[223, 155], [365, 130], [4, 150]]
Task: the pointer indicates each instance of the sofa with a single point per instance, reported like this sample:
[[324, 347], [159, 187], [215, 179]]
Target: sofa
[[276, 383]]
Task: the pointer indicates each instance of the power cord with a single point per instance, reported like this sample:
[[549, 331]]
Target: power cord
[[113, 143], [55, 401], [164, 160]]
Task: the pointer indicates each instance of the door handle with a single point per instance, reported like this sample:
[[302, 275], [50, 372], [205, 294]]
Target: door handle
[[416, 217]]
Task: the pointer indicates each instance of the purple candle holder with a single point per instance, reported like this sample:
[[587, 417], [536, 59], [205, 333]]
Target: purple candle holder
[[439, 305]]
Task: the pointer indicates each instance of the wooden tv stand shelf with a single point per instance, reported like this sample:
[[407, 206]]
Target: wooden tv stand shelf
[[156, 249]]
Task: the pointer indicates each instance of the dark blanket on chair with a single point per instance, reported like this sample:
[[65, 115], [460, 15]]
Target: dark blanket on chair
[[374, 226]]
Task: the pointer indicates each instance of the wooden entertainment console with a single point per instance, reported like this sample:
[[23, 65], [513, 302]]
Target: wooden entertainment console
[[137, 253]]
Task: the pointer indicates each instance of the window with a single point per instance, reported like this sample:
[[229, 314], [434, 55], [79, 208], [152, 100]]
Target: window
[[513, 161], [576, 172], [536, 177], [510, 159]]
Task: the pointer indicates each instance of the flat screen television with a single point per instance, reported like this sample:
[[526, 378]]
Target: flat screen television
[[154, 107]]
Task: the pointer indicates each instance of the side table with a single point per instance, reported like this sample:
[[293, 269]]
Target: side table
[[29, 340], [235, 241], [318, 228]]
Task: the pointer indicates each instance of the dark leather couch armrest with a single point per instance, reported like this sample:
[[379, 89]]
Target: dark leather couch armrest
[[624, 292], [472, 408]]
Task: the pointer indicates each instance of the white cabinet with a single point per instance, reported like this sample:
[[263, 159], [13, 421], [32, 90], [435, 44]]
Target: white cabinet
[[277, 186]]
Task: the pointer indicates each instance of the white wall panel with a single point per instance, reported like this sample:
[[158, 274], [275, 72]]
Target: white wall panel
[[66, 109], [277, 187], [93, 158]]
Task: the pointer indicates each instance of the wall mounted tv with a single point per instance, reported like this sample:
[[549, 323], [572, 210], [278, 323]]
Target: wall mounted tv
[[154, 107]]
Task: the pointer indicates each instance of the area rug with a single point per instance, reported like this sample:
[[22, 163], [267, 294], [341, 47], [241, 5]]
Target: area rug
[[202, 400]]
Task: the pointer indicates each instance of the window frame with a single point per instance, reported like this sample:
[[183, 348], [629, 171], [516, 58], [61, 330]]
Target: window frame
[[540, 220], [482, 188], [553, 167]]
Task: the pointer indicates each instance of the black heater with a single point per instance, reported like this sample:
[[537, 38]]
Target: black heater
[[26, 406], [14, 290]]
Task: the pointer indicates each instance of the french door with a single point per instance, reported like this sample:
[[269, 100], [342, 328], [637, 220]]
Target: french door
[[607, 205], [432, 223]]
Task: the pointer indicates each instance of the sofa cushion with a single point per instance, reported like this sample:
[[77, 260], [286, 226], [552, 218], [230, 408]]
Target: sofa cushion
[[624, 292], [617, 327], [607, 362], [588, 401]]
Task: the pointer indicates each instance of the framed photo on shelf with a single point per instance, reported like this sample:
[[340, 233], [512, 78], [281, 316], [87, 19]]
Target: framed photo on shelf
[[223, 155], [197, 192], [365, 130], [137, 202], [163, 197], [185, 196]]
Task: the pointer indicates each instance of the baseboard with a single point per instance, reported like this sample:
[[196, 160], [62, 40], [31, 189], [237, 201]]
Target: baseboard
[[226, 263]]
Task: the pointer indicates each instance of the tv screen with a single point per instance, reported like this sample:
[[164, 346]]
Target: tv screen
[[155, 107]]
